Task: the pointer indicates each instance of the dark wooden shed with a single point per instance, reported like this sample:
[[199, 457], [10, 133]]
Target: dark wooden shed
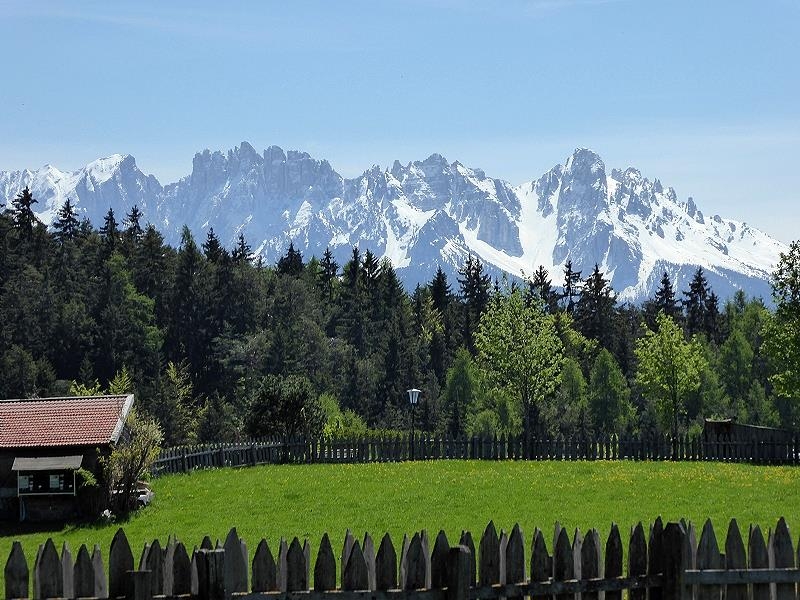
[[44, 441]]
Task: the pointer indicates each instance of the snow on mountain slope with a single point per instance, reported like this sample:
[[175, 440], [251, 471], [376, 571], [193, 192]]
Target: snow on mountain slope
[[426, 214]]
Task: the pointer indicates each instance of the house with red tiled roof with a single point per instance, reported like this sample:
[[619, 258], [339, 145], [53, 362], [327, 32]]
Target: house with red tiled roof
[[43, 443]]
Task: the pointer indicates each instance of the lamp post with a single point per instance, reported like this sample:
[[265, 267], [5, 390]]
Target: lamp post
[[413, 398]]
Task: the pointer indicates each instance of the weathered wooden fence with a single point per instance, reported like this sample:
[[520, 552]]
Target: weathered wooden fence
[[423, 447], [663, 563]]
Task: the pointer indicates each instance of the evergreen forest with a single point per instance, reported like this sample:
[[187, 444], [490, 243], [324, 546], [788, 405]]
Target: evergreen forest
[[218, 346]]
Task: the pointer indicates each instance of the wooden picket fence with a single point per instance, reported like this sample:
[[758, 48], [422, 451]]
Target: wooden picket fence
[[667, 563], [423, 447]]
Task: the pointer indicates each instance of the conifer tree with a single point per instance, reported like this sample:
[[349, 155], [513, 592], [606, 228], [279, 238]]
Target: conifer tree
[[665, 298], [328, 273], [695, 303], [110, 231], [541, 286], [474, 290], [242, 251], [594, 313], [133, 226], [292, 263], [23, 215], [211, 247], [572, 281], [65, 227]]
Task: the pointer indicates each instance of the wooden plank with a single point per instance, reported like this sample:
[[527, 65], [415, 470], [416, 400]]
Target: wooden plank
[[781, 556], [154, 562], [563, 562], [47, 574], [590, 560], [16, 573], [708, 557], [466, 540], [325, 566], [758, 558], [515, 556], [210, 574], [206, 544], [743, 576], [458, 573], [347, 546], [296, 572], [82, 574], [307, 556], [404, 560], [415, 565], [541, 569], [655, 555], [100, 581], [67, 575], [369, 557], [182, 570], [637, 559], [577, 546], [426, 555], [489, 557], [265, 571], [735, 558], [439, 560], [356, 576], [235, 564], [386, 565], [674, 544], [502, 553], [283, 550], [169, 559], [120, 561], [613, 560]]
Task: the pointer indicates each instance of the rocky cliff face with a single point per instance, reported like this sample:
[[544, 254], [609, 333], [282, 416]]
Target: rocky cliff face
[[428, 213]]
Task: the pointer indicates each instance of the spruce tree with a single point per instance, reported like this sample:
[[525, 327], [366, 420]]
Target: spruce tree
[[65, 227], [133, 226], [23, 215], [242, 251], [327, 274], [541, 286], [695, 303], [594, 312], [291, 263], [665, 298], [572, 281], [110, 231], [474, 290], [211, 247]]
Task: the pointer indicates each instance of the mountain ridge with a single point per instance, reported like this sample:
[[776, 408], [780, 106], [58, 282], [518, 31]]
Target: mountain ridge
[[428, 213]]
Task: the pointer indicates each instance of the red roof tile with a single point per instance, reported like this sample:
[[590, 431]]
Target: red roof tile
[[62, 421]]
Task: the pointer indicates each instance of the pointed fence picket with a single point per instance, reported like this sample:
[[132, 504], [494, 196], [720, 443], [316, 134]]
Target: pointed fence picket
[[670, 566]]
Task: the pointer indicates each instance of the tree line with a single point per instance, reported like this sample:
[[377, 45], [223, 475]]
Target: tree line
[[219, 346]]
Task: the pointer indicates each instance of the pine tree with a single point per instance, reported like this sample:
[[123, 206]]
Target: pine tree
[[572, 281], [328, 274], [65, 227], [242, 251], [594, 312], [110, 231], [475, 286], [212, 249], [133, 227], [541, 286], [23, 215], [694, 303], [292, 263], [665, 298]]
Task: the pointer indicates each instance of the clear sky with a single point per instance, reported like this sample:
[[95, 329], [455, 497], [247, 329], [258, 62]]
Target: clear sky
[[704, 95]]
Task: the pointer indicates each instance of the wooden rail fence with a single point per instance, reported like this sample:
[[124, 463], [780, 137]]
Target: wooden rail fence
[[420, 447], [663, 563]]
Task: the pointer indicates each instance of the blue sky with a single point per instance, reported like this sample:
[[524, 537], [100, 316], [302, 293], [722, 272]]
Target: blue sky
[[702, 95]]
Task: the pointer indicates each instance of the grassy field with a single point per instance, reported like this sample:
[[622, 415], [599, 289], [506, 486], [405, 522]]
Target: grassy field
[[308, 500]]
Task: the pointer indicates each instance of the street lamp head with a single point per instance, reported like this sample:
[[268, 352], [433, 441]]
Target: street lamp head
[[413, 396]]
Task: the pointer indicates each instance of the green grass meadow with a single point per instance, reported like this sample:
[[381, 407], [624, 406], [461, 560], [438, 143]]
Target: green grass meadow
[[308, 500]]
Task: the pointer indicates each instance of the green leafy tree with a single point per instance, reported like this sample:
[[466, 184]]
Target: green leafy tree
[[286, 406], [519, 351], [567, 412], [460, 393], [131, 459], [669, 369], [609, 395], [782, 332]]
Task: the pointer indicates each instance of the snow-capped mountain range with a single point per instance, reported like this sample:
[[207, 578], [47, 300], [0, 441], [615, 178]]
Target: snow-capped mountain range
[[428, 213]]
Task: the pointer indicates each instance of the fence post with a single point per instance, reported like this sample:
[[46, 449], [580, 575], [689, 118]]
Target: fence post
[[458, 573], [211, 574], [676, 562], [139, 585]]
